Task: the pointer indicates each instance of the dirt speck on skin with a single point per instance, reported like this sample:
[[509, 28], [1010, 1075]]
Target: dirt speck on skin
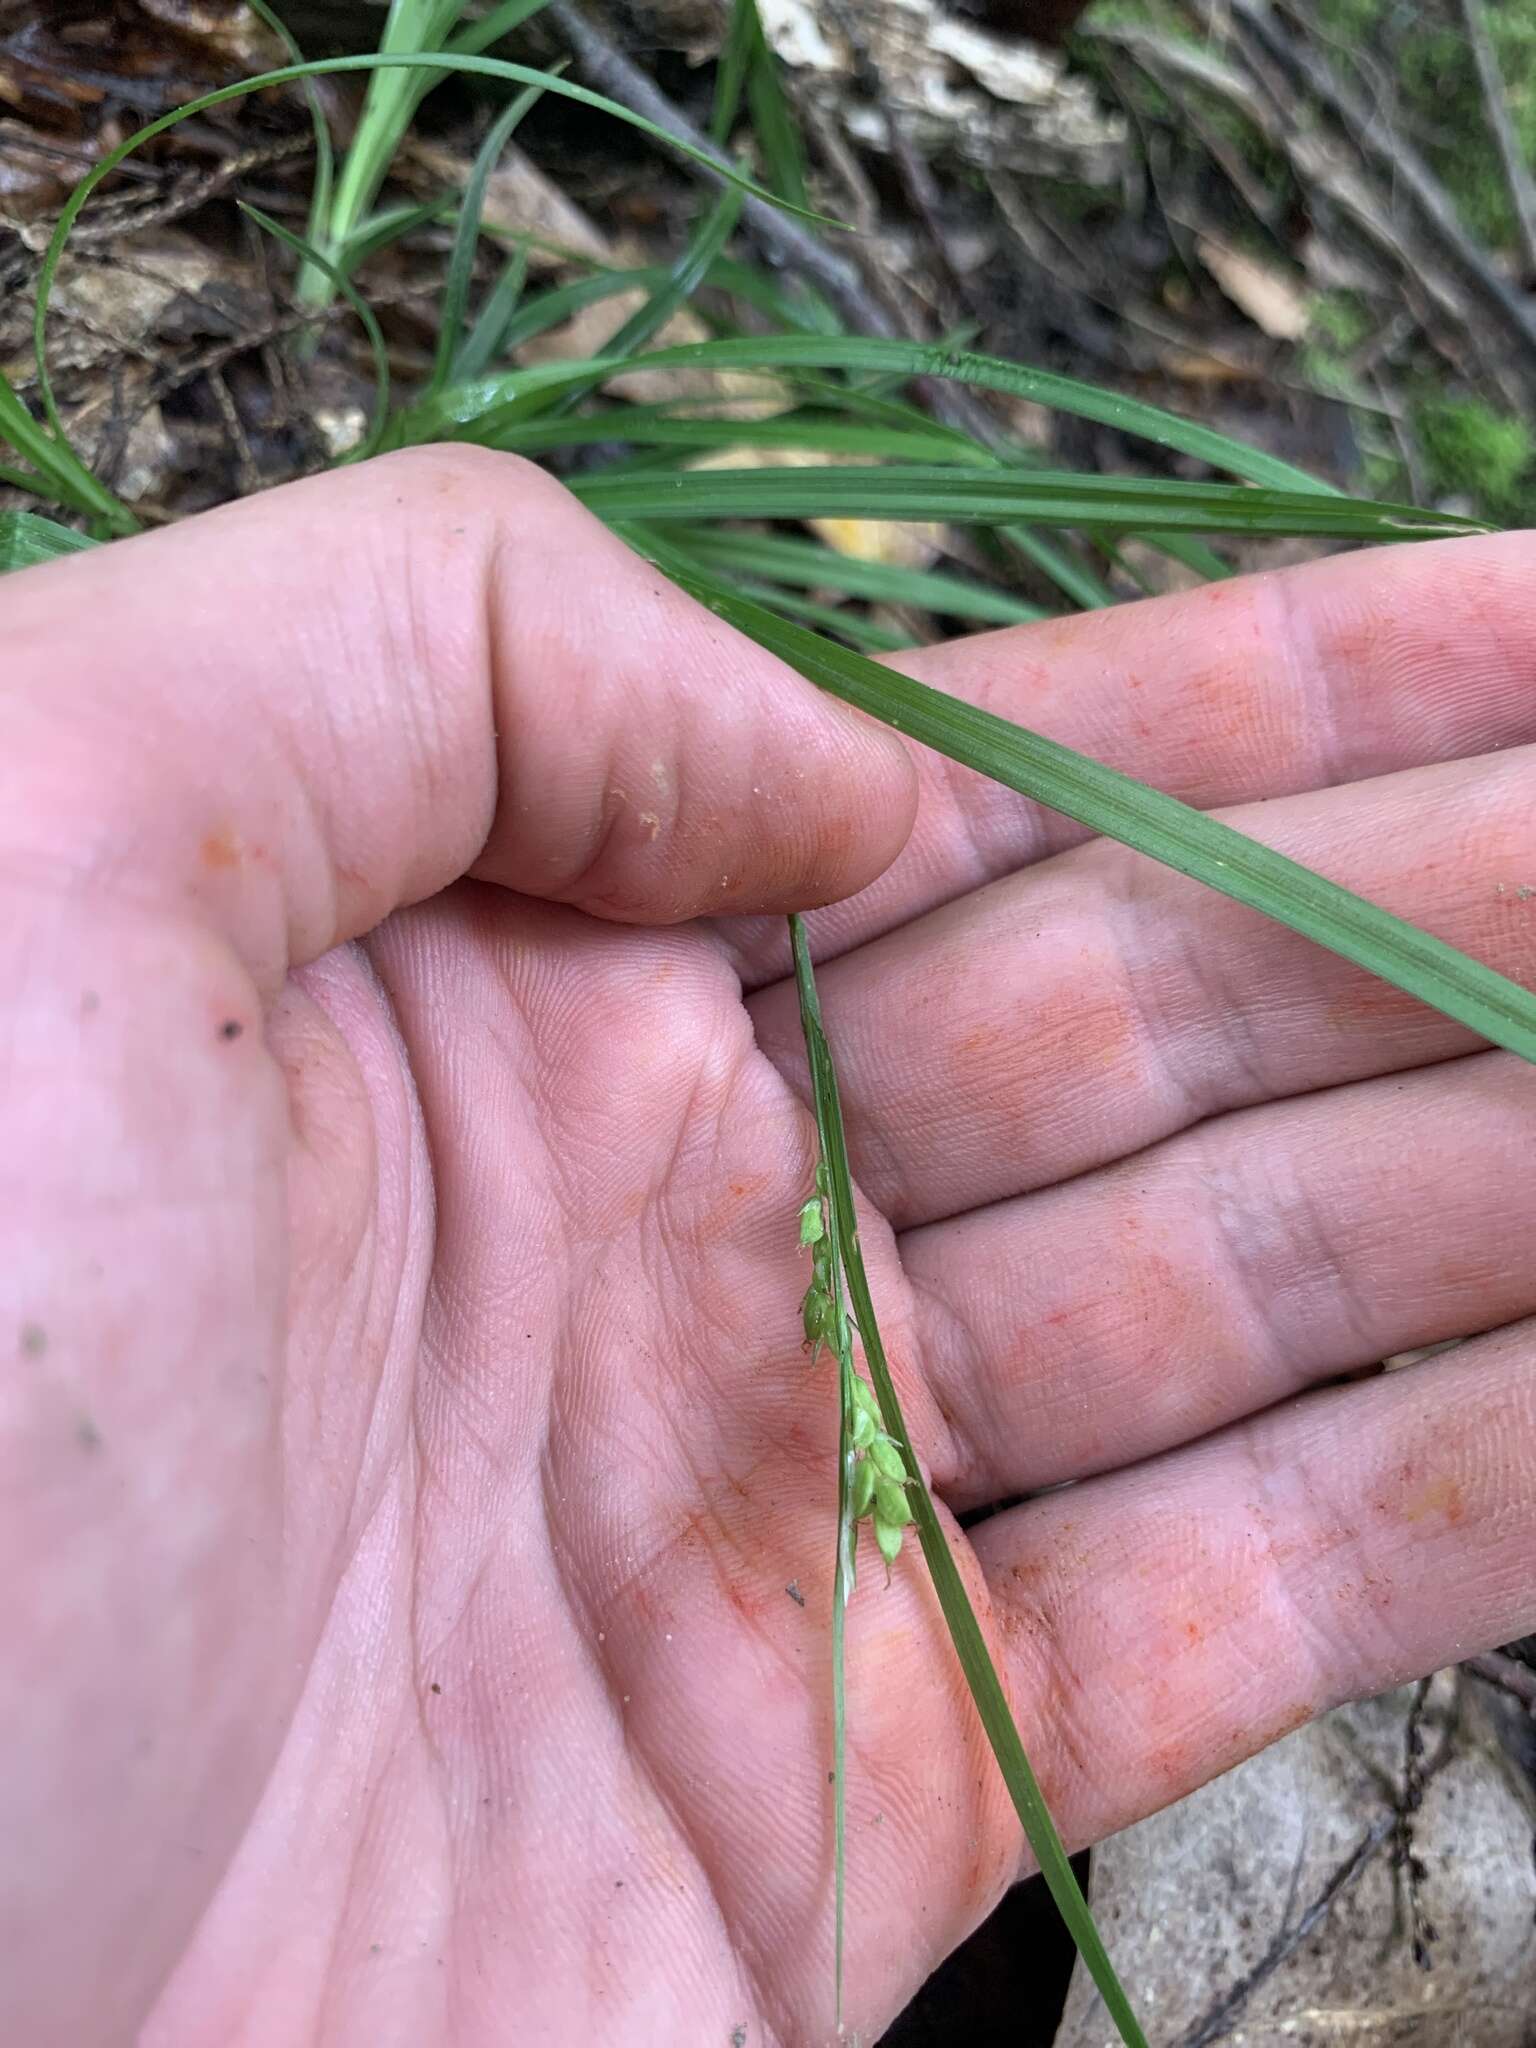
[[231, 1028], [794, 1592], [34, 1340], [87, 1435], [738, 2037]]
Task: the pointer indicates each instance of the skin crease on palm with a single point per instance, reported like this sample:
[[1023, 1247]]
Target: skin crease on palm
[[406, 1445]]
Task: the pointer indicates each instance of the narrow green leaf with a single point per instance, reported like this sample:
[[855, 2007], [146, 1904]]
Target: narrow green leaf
[[927, 492], [663, 426], [60, 472], [683, 279], [493, 25], [307, 253], [1070, 576], [466, 240], [965, 1631], [731, 70], [428, 61], [781, 559], [777, 131], [384, 227], [27, 538], [325, 154], [1193, 554], [851, 626], [786, 353], [1186, 840], [487, 339]]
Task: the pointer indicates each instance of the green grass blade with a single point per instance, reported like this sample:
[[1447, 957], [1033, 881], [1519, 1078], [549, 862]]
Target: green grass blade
[[60, 472], [492, 26], [857, 631], [871, 355], [466, 240], [433, 64], [384, 227], [777, 131], [307, 253], [563, 302], [1071, 577], [486, 340], [683, 279], [747, 64], [731, 70], [27, 538], [1193, 554], [324, 185], [927, 492], [965, 1631], [782, 559], [390, 101], [664, 427], [677, 285], [1108, 802]]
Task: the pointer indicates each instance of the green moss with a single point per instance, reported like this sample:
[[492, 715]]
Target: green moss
[[1476, 452]]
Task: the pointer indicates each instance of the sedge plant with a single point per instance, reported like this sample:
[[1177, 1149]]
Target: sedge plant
[[691, 482]]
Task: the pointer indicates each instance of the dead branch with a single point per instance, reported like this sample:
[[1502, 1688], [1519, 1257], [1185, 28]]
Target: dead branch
[[1517, 175]]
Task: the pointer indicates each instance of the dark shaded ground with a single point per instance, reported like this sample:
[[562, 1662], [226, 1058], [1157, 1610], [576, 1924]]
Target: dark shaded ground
[[1006, 1987]]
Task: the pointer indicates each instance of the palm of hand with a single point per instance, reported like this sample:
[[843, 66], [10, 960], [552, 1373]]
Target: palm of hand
[[556, 1459]]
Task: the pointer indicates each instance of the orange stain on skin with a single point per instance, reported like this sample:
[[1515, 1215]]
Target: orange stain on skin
[[724, 1215], [220, 850], [1438, 1498]]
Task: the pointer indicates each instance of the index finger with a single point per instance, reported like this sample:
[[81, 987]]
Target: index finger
[[1263, 686]]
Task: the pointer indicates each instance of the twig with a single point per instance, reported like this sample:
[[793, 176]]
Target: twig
[[1257, 29], [611, 72], [1507, 1672], [246, 471], [1387, 1827], [1289, 1939], [1420, 1933], [1517, 175], [1411, 264], [917, 179]]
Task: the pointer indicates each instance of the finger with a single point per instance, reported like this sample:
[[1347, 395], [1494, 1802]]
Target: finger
[[1093, 1324], [301, 711], [1077, 1012], [1259, 687], [1160, 1625]]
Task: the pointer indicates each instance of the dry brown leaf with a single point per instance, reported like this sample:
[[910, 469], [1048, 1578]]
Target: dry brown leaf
[[1269, 296], [519, 200]]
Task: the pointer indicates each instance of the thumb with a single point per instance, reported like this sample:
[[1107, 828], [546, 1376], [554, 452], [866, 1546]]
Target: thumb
[[306, 709]]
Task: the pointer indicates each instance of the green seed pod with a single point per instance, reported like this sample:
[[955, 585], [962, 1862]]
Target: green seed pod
[[891, 1503], [863, 1494], [813, 1225], [888, 1536], [864, 1394], [817, 1316], [823, 1179], [862, 1430], [888, 1460], [821, 1264]]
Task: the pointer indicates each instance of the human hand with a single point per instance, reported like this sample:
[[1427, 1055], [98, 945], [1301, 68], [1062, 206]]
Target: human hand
[[408, 1463]]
